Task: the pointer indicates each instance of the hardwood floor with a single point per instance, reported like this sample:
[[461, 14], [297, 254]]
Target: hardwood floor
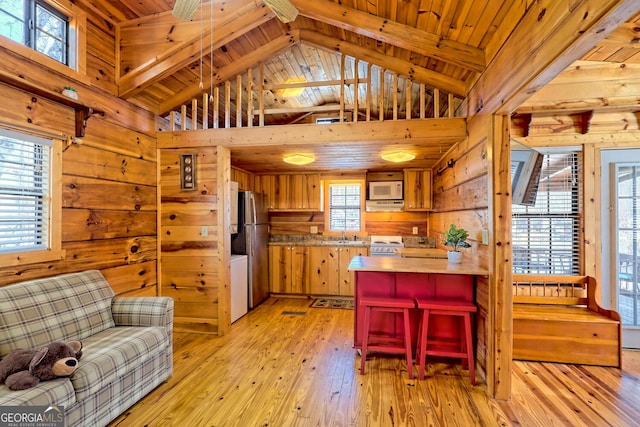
[[286, 364]]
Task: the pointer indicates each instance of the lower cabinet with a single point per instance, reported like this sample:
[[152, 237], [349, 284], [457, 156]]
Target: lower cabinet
[[316, 270], [329, 269], [288, 269]]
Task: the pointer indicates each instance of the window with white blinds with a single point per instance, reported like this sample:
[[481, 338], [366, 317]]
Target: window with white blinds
[[345, 207], [25, 163], [545, 235]]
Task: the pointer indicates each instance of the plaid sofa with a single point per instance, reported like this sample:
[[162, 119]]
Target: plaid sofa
[[127, 343]]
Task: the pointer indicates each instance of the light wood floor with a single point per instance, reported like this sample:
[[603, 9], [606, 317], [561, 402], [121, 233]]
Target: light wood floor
[[286, 364]]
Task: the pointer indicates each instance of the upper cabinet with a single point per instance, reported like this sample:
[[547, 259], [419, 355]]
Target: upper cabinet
[[417, 190], [291, 192]]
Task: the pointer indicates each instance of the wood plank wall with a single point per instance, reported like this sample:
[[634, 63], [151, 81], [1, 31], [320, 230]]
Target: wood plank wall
[[460, 196], [189, 269], [109, 181]]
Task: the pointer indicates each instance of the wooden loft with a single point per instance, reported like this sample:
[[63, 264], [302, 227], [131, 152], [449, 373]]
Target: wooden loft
[[224, 106]]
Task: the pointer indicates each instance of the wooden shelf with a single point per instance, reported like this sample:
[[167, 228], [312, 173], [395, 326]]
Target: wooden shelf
[[83, 113]]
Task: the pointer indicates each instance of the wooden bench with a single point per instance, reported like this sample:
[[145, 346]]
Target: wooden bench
[[557, 319]]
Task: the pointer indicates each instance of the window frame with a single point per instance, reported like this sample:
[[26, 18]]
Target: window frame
[[77, 40], [327, 205], [54, 250]]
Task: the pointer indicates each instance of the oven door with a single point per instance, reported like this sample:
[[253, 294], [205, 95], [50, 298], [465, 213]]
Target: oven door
[[382, 251]]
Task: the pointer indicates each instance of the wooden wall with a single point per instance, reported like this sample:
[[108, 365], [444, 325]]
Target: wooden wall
[[189, 236], [109, 181], [460, 197]]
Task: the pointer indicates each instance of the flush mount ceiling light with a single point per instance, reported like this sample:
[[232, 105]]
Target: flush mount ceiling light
[[398, 156], [299, 159], [185, 9], [284, 10]]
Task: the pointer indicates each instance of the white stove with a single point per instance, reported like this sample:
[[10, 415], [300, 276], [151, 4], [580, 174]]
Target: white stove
[[384, 245]]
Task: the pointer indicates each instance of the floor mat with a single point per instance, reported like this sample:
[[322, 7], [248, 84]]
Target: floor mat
[[345, 303]]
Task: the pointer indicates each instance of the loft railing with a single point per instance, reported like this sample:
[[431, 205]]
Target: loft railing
[[378, 95]]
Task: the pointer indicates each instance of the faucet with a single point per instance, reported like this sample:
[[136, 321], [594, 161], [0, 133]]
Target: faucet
[[342, 234]]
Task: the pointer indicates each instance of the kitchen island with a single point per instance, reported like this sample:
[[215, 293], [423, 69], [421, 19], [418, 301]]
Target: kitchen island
[[410, 278]]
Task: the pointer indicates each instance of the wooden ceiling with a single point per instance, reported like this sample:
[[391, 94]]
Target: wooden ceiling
[[164, 63]]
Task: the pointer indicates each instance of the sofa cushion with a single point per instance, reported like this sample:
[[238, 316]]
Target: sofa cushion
[[111, 354], [60, 308], [57, 392]]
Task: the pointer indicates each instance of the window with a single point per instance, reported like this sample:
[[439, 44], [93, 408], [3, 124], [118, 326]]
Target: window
[[29, 215], [345, 205], [36, 24], [546, 235]]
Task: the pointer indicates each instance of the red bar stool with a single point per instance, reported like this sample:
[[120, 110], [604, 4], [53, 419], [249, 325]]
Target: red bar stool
[[462, 349], [385, 343]]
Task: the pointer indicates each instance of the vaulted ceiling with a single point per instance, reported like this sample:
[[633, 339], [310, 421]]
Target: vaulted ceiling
[[444, 44], [164, 63]]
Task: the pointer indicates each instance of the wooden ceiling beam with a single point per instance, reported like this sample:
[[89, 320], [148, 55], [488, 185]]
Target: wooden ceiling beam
[[589, 86], [405, 68], [394, 33], [424, 131], [237, 67], [228, 24], [548, 38]]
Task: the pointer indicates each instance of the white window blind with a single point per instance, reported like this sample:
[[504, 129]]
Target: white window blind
[[344, 207], [24, 192], [545, 236]]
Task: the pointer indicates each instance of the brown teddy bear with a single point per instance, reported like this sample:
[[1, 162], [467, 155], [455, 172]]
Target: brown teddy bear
[[22, 369]]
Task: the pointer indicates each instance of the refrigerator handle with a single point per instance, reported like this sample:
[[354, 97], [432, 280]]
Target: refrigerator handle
[[253, 209], [250, 242]]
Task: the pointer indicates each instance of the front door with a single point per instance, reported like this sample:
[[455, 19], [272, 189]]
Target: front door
[[621, 238]]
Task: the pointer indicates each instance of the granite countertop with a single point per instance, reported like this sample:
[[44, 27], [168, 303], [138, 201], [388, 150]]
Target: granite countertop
[[360, 241], [320, 242]]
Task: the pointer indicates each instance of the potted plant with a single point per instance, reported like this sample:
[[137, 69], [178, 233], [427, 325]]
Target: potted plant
[[70, 92], [456, 238]]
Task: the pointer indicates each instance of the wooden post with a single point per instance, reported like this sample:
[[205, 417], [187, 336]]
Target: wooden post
[[355, 91], [381, 96], [183, 116], [238, 101], [499, 353], [249, 98], [216, 107], [227, 104], [422, 100], [194, 114], [369, 92], [395, 96], [223, 191], [407, 115], [342, 66], [172, 121], [205, 111], [451, 106], [261, 92]]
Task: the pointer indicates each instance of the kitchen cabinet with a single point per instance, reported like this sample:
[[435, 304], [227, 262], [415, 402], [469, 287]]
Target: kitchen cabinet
[[329, 269], [290, 192], [314, 270], [288, 269], [417, 190]]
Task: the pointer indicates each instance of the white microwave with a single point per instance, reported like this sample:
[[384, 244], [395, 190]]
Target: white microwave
[[385, 190]]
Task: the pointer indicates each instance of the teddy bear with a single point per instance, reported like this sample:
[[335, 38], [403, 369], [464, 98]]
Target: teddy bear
[[22, 369]]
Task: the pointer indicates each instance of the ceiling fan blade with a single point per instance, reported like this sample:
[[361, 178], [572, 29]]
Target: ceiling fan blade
[[185, 9], [283, 9]]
